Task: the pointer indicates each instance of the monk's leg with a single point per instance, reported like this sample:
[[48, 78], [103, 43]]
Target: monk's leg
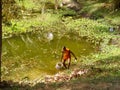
[[69, 61], [64, 63]]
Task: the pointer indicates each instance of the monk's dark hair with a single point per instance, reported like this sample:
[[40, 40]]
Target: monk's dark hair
[[64, 47]]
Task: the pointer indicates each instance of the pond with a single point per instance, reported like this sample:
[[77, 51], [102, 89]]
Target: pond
[[35, 55]]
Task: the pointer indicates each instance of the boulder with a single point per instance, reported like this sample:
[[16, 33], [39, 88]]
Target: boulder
[[72, 4]]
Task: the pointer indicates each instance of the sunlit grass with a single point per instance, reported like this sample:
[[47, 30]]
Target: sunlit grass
[[96, 30], [34, 4], [24, 25], [28, 4]]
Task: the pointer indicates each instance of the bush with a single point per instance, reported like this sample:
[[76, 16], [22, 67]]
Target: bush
[[116, 4], [10, 11]]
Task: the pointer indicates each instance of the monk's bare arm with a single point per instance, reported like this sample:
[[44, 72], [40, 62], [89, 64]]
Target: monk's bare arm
[[62, 56], [73, 54]]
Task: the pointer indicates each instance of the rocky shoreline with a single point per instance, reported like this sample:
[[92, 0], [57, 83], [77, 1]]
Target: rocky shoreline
[[59, 77]]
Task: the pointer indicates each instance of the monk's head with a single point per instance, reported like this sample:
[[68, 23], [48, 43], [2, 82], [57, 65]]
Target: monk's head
[[64, 48]]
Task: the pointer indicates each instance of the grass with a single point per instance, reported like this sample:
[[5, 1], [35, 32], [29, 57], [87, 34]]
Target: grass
[[95, 29], [21, 26]]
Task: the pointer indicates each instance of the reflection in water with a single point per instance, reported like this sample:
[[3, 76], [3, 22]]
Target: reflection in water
[[32, 55], [50, 36]]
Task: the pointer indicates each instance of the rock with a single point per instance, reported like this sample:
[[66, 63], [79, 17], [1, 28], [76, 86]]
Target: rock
[[64, 77], [59, 65], [50, 36], [76, 73], [114, 42], [111, 29], [72, 4], [49, 79]]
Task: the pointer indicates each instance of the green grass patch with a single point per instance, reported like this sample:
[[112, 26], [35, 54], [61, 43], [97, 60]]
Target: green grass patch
[[25, 25], [107, 60]]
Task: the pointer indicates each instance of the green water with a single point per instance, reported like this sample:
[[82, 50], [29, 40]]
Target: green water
[[33, 55]]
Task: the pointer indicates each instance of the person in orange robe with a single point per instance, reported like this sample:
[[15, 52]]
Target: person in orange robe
[[66, 55]]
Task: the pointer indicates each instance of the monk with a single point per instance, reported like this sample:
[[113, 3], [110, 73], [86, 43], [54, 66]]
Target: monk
[[66, 55]]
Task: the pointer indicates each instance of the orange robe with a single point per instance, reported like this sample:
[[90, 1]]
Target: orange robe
[[66, 54]]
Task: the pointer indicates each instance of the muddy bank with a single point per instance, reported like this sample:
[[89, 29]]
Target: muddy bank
[[73, 84]]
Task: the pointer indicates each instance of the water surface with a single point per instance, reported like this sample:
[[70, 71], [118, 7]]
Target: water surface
[[34, 55]]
